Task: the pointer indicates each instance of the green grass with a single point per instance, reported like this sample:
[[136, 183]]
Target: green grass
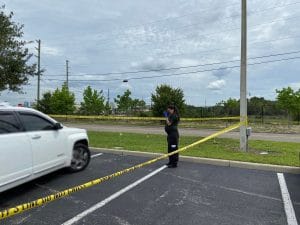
[[279, 153]]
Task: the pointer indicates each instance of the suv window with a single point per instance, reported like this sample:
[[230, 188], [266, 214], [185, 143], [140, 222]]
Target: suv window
[[34, 122], [8, 123]]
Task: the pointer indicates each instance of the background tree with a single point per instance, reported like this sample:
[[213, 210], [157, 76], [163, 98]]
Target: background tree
[[289, 100], [93, 102], [63, 101], [166, 95], [14, 66], [138, 106], [232, 107], [193, 111], [107, 108], [124, 102], [44, 104], [256, 105], [297, 101]]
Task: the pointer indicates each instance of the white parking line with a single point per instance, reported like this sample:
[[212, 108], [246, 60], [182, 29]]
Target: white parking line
[[288, 205], [96, 155], [112, 197]]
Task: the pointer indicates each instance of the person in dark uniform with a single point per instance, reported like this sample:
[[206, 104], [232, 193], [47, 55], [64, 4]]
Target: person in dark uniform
[[172, 120]]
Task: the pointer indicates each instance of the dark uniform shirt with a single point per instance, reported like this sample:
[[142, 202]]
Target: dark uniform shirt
[[173, 119]]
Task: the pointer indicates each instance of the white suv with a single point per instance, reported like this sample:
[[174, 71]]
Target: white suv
[[32, 144]]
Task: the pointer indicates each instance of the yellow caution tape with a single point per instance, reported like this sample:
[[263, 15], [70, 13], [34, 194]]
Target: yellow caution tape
[[41, 201], [211, 118], [140, 118]]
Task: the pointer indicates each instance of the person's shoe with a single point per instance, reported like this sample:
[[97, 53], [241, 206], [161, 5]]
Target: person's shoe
[[172, 166], [168, 164]]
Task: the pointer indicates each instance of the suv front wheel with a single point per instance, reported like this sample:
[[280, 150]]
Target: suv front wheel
[[81, 157]]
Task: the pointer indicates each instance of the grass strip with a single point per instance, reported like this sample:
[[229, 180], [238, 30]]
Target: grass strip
[[267, 152]]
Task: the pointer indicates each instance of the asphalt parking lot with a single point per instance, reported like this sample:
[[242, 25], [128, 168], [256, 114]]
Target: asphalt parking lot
[[190, 194]]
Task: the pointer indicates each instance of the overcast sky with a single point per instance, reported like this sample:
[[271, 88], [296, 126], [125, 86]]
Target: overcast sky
[[99, 37]]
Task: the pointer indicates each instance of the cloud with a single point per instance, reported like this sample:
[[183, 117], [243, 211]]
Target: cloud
[[295, 86], [216, 85], [186, 62], [221, 73], [123, 87], [151, 64], [158, 64], [52, 51]]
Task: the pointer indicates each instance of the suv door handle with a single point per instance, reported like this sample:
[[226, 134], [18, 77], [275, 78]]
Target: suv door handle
[[36, 136]]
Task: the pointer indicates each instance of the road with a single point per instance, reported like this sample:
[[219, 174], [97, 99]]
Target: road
[[190, 194], [185, 132]]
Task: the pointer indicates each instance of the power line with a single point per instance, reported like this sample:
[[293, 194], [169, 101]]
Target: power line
[[180, 67], [211, 50], [226, 48], [271, 61], [251, 13], [233, 46], [209, 34], [192, 53], [234, 29], [180, 74], [201, 71]]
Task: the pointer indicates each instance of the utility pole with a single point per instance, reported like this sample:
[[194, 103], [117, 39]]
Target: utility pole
[[67, 73], [39, 71], [243, 79], [205, 111], [108, 96]]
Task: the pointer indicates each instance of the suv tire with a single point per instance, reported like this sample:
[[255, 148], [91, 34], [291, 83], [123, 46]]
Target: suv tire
[[80, 158]]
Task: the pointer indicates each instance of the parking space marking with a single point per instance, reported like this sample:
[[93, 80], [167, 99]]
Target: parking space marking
[[112, 197], [288, 205], [96, 155]]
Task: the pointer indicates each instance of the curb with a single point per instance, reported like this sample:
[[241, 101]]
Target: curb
[[209, 161]]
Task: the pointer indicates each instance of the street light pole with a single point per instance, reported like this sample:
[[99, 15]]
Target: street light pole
[[39, 71], [67, 73], [243, 79]]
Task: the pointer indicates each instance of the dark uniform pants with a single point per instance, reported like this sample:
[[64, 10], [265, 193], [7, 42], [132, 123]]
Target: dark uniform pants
[[173, 139]]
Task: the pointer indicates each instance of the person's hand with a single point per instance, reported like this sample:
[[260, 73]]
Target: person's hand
[[166, 114]]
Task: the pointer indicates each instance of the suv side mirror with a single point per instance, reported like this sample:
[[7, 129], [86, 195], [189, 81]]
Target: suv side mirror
[[57, 126]]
